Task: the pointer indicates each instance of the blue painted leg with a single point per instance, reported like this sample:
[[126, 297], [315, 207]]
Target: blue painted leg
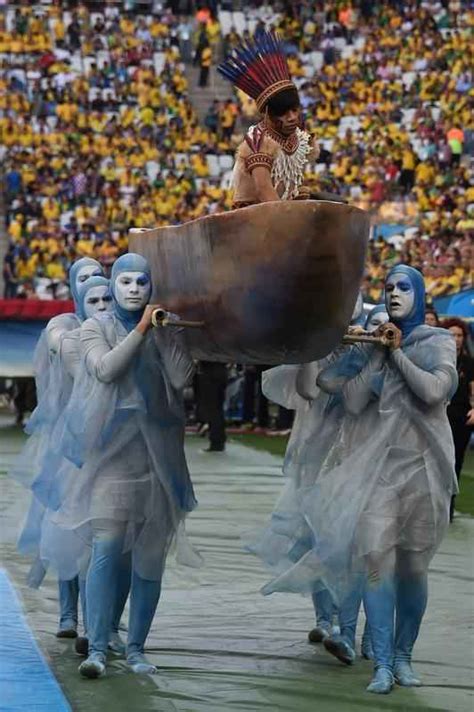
[[366, 648], [412, 596], [325, 610], [102, 578], [144, 599], [382, 682], [342, 646], [379, 601], [81, 645], [68, 599], [116, 643]]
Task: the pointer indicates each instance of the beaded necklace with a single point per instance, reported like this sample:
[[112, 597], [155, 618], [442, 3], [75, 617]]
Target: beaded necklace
[[289, 164]]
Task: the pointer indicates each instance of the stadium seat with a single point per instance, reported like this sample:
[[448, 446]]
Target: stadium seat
[[226, 162], [225, 19], [239, 22], [152, 170], [213, 164], [226, 180], [158, 61], [317, 59]]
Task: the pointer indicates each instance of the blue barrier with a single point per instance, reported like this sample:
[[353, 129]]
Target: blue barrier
[[18, 340], [26, 682], [460, 304]]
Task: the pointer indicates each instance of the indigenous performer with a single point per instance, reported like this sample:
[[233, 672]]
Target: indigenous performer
[[53, 387], [271, 161], [125, 421], [381, 506]]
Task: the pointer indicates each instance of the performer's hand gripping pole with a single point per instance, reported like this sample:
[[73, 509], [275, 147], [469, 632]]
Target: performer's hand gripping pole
[[160, 317], [367, 338]]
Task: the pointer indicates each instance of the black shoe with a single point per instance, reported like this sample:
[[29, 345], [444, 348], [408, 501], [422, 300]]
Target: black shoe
[[81, 646], [66, 633], [340, 649], [318, 635]]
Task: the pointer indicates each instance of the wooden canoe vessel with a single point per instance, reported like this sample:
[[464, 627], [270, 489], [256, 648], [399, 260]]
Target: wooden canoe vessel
[[274, 283]]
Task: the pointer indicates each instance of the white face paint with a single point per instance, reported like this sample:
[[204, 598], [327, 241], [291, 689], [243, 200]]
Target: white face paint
[[399, 296], [98, 299], [132, 290], [86, 272], [359, 306], [376, 320]]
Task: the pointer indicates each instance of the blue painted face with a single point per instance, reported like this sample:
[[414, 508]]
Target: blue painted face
[[376, 317], [399, 296], [131, 288], [405, 297], [80, 272], [94, 296]]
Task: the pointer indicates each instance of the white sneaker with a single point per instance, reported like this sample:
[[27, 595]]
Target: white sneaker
[[93, 667], [140, 665]]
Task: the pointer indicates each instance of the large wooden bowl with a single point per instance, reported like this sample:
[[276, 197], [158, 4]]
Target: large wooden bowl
[[274, 283]]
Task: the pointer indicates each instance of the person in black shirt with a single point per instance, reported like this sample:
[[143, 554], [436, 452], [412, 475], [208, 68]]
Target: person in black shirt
[[212, 382], [460, 409]]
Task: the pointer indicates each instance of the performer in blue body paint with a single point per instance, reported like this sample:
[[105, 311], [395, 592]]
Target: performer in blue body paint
[[53, 387], [318, 420], [381, 508], [125, 430], [407, 514], [341, 643], [62, 549]]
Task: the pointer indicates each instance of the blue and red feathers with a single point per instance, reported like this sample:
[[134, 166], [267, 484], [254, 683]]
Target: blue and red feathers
[[257, 66]]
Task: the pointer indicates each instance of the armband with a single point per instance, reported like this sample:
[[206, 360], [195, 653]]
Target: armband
[[258, 160]]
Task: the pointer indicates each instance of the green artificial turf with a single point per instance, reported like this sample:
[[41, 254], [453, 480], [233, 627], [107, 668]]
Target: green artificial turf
[[275, 445]]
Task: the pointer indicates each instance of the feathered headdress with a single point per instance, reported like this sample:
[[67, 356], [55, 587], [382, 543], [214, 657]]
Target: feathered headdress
[[259, 68]]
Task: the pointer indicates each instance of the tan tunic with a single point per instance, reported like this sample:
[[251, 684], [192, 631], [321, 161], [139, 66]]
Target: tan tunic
[[286, 160]]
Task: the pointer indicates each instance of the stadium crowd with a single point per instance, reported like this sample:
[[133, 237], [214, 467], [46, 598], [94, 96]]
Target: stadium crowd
[[99, 134]]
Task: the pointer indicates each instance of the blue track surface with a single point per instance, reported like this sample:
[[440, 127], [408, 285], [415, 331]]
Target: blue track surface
[[26, 682]]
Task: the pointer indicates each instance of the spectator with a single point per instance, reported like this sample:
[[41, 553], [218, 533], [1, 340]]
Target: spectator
[[24, 398], [70, 164], [461, 407], [185, 44], [211, 396], [455, 138], [227, 119], [13, 182], [205, 61], [431, 316], [9, 274], [74, 34], [211, 120], [255, 405]]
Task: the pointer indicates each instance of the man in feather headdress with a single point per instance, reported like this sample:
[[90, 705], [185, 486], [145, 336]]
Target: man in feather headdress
[[271, 160]]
